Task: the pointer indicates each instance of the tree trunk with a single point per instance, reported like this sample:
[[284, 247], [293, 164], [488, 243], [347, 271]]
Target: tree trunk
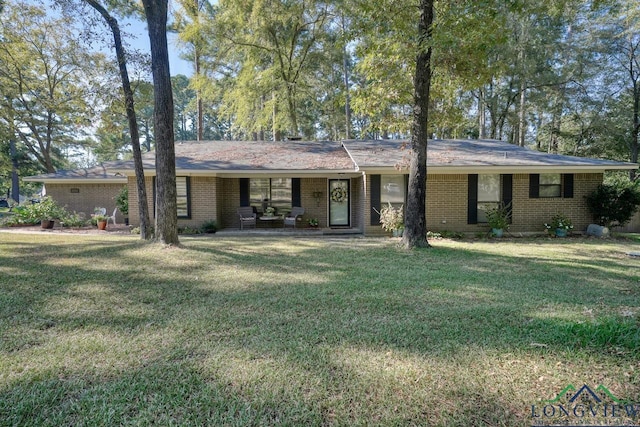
[[143, 209], [166, 193], [15, 179], [482, 115], [291, 104], [200, 126], [635, 130], [521, 114], [347, 98], [277, 136], [415, 233]]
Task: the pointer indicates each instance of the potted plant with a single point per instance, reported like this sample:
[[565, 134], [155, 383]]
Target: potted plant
[[269, 211], [498, 219], [559, 226], [392, 219], [100, 218], [47, 211], [122, 203], [313, 222]]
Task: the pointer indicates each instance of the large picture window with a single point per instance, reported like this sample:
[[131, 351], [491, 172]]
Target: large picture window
[[274, 192]]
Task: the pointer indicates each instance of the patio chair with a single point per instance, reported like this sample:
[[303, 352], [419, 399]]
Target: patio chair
[[112, 218], [292, 217], [247, 216]]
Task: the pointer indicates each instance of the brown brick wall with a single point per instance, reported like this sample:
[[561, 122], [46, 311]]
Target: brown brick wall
[[134, 208], [87, 199], [314, 208], [365, 196], [218, 199], [229, 202], [357, 203], [447, 205], [531, 214], [203, 202]]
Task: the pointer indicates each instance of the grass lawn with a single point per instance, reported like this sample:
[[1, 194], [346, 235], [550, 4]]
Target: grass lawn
[[104, 331]]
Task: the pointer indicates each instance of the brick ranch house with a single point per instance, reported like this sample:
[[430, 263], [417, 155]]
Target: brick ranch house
[[342, 184], [82, 190]]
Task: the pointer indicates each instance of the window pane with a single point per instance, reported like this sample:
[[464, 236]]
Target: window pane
[[550, 178], [392, 189], [258, 192], [274, 192], [182, 196], [549, 190], [489, 188], [281, 195], [483, 208]]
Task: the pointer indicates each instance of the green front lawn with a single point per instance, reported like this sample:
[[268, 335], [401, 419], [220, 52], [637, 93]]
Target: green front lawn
[[310, 332]]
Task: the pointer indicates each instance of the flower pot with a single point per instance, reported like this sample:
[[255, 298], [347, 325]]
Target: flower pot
[[497, 232], [561, 232], [47, 223], [102, 225], [398, 232]]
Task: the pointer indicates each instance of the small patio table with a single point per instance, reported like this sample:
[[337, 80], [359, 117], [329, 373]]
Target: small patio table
[[271, 220]]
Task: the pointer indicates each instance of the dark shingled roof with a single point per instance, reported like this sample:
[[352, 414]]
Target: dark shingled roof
[[231, 156], [96, 172], [467, 153], [457, 156]]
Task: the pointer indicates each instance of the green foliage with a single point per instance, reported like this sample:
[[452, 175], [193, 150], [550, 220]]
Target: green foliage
[[136, 230], [122, 200], [73, 220], [559, 222], [50, 83], [184, 100], [269, 50], [446, 234], [209, 226], [33, 213], [614, 204], [189, 230], [113, 136], [98, 216], [498, 217]]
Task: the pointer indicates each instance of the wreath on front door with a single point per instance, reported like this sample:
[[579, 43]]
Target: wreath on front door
[[339, 194]]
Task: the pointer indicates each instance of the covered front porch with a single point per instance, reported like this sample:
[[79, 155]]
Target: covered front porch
[[332, 203]]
